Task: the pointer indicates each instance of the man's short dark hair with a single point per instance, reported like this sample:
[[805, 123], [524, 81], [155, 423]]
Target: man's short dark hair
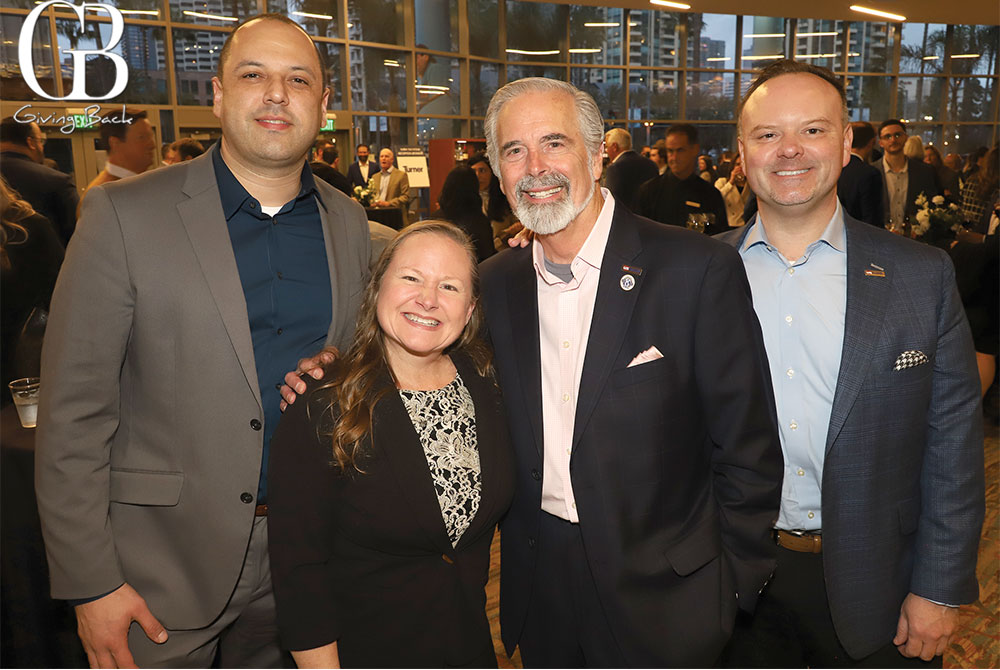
[[366, 146], [330, 154], [890, 122], [789, 66], [864, 133], [270, 16], [14, 131], [187, 148], [684, 129], [120, 125]]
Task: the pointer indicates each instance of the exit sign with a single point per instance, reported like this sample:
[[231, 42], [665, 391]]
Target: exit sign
[[329, 126]]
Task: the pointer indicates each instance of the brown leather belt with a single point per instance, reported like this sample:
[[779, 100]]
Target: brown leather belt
[[260, 510], [808, 543]]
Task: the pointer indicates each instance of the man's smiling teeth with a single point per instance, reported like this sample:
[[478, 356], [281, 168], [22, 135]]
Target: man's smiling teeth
[[275, 122], [423, 322], [546, 193], [790, 173]]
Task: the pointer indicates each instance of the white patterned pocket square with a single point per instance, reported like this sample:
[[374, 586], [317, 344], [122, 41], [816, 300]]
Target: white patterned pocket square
[[646, 356], [910, 359]]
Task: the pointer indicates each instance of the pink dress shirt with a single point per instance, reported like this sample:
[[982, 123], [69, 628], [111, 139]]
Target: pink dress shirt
[[565, 310]]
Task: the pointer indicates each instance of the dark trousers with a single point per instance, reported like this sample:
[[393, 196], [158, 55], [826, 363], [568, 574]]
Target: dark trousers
[[792, 627], [566, 626]]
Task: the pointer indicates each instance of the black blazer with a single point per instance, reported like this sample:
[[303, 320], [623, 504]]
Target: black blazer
[[354, 173], [50, 192], [477, 227], [365, 559], [626, 175], [666, 199], [332, 176], [676, 464], [860, 191], [921, 179]]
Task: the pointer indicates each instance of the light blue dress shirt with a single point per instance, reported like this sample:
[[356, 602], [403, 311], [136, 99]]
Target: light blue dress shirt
[[801, 306]]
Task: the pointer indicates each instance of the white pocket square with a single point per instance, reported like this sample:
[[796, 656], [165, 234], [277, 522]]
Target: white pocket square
[[910, 359], [646, 356]]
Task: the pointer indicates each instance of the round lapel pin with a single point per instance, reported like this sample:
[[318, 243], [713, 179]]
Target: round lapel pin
[[627, 282]]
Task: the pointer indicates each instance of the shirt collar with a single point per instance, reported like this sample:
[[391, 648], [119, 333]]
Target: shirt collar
[[118, 170], [233, 194], [388, 170], [592, 251], [834, 235], [887, 169]]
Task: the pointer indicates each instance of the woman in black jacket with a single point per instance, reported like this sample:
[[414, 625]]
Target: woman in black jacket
[[387, 478]]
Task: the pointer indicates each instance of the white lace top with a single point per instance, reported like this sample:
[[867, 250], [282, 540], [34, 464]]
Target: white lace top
[[445, 421]]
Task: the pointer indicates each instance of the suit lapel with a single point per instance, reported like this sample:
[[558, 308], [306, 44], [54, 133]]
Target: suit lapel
[[867, 298], [334, 228], [397, 444], [487, 433], [205, 223], [612, 314], [522, 305]]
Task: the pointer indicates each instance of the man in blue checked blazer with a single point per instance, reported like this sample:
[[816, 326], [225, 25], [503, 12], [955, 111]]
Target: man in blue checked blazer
[[877, 397]]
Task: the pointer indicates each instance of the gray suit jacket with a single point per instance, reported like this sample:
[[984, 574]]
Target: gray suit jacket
[[398, 193], [150, 417], [903, 476]]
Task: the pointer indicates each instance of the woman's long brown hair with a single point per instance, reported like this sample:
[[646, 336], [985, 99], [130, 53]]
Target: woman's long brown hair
[[355, 389], [12, 211]]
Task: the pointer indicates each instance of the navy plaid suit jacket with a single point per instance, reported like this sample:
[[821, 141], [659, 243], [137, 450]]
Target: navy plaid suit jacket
[[903, 498]]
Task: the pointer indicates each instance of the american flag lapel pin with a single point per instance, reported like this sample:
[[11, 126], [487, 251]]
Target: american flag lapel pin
[[875, 271]]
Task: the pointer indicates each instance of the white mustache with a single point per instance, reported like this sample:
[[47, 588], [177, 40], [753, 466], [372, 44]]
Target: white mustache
[[530, 183]]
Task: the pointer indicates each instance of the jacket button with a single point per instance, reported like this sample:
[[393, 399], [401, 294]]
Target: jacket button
[[255, 424], [536, 475], [246, 498], [447, 559], [531, 542]]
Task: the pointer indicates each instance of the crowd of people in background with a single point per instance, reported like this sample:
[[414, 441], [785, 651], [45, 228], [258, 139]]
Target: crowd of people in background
[[230, 265]]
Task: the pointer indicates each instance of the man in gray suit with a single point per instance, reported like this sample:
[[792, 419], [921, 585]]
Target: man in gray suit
[[877, 398], [184, 291]]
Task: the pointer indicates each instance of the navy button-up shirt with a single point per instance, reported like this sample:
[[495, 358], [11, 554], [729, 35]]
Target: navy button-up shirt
[[286, 281]]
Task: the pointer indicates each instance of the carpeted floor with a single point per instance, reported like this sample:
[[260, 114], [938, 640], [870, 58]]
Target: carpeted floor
[[977, 643]]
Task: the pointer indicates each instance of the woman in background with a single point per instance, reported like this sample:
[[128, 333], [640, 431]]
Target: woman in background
[[914, 148], [30, 257], [387, 479], [705, 168], [735, 192], [460, 204]]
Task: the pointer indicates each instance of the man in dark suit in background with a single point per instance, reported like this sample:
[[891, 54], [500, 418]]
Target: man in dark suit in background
[[647, 459], [50, 192], [363, 169], [324, 165], [877, 396], [903, 179], [860, 185], [627, 170], [679, 191]]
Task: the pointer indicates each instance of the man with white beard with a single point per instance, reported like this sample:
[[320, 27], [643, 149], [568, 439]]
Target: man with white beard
[[648, 463]]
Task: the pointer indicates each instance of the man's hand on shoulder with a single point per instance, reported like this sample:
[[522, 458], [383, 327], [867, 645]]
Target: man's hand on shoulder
[[294, 385], [925, 628], [103, 627]]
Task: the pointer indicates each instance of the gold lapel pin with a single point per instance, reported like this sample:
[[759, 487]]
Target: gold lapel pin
[[876, 271]]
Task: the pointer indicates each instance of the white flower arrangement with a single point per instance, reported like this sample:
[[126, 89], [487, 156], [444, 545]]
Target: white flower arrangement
[[365, 194], [936, 217]]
